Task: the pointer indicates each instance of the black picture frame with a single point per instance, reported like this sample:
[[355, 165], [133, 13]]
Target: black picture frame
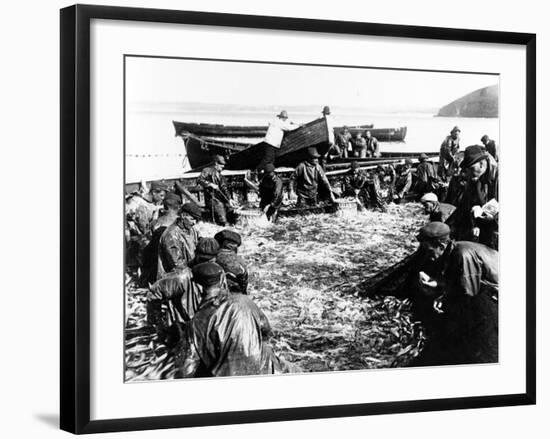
[[75, 217]]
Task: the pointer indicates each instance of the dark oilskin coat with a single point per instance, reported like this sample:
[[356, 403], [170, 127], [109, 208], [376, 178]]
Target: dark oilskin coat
[[227, 338]]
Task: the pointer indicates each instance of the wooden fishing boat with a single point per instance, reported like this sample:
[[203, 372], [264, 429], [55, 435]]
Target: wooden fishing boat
[[219, 130], [202, 141], [246, 153], [382, 134]]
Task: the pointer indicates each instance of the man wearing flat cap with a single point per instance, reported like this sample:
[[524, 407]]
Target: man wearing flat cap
[[171, 302], [178, 242], [142, 209], [217, 199], [427, 179], [354, 182], [274, 137], [476, 215], [465, 292], [235, 267], [372, 145], [342, 146], [447, 154], [403, 181], [271, 192], [490, 146], [228, 334], [207, 250], [309, 180], [169, 214]]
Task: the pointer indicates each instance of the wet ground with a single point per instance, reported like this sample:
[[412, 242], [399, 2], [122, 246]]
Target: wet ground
[[304, 273]]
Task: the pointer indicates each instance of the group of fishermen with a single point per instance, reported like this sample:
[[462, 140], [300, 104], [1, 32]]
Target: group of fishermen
[[453, 276], [198, 286], [197, 298]]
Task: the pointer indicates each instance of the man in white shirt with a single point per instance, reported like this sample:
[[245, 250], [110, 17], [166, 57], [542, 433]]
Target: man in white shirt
[[274, 137]]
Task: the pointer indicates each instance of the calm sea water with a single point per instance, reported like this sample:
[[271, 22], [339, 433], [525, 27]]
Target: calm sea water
[[153, 151]]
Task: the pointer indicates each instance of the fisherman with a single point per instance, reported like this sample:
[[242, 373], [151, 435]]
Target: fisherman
[[372, 145], [309, 178], [374, 196], [359, 146], [228, 334], [236, 270], [207, 250], [427, 179], [271, 192], [403, 181], [447, 154], [217, 199], [274, 137], [476, 215], [330, 125], [149, 269], [171, 302], [141, 210], [178, 242], [145, 208], [490, 146], [465, 296], [343, 145], [355, 182], [436, 210]]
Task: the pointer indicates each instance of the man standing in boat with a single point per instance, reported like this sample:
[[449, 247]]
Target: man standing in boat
[[447, 154], [372, 145], [274, 137], [359, 146], [217, 199], [308, 178], [342, 146]]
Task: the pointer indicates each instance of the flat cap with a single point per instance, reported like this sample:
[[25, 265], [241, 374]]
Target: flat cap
[[207, 273], [228, 235], [430, 196], [219, 159], [159, 186], [208, 247], [326, 109], [172, 200], [455, 129], [434, 230], [484, 138], [422, 157], [312, 152], [191, 209], [270, 167], [472, 155], [408, 162]]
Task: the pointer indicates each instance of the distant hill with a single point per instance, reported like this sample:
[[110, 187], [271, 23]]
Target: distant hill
[[480, 103]]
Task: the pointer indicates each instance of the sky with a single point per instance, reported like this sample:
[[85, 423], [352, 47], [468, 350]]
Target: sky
[[164, 81]]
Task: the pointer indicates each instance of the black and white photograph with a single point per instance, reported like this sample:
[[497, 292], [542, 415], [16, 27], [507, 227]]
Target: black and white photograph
[[287, 218]]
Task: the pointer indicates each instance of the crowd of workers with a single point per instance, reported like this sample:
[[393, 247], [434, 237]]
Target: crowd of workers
[[198, 286]]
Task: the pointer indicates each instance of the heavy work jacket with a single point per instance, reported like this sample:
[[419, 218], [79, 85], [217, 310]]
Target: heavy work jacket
[[177, 247], [426, 178], [354, 181], [271, 191], [308, 178], [235, 269], [180, 295], [476, 193], [372, 147], [226, 338], [447, 152], [403, 183], [442, 212], [212, 175]]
